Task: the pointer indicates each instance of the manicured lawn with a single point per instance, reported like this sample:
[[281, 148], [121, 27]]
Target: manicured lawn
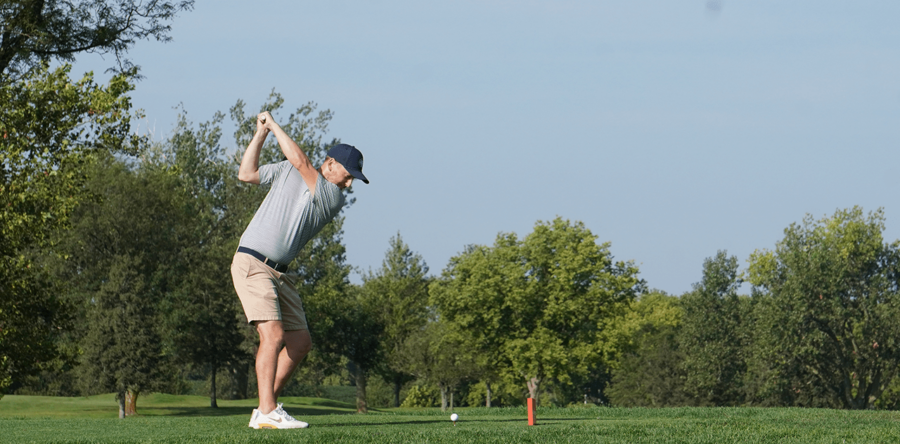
[[176, 419], [105, 406]]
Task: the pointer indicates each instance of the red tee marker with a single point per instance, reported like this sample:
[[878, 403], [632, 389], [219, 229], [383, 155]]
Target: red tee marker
[[532, 417]]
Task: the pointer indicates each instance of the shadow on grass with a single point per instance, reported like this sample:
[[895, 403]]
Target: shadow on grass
[[370, 424], [233, 411], [547, 421]]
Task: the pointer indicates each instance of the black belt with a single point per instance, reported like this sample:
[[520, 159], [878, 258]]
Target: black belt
[[281, 268]]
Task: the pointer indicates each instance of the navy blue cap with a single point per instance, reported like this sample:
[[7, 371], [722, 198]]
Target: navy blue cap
[[350, 158]]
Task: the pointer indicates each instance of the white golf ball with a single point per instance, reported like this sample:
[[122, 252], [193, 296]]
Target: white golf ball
[[454, 417]]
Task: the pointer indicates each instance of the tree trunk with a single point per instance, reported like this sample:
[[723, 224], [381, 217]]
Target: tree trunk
[[360, 379], [239, 381], [131, 402], [451, 398], [397, 392], [533, 385], [121, 399], [487, 398], [443, 396], [212, 388]]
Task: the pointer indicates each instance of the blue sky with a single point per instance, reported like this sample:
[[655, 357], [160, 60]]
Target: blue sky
[[671, 128]]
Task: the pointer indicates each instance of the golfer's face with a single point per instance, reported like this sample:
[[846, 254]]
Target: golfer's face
[[337, 174]]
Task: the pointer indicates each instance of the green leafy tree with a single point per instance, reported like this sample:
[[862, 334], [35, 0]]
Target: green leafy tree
[[202, 316], [712, 335], [574, 285], [437, 354], [122, 353], [50, 124], [360, 335], [542, 303], [652, 374], [827, 313], [36, 31], [123, 258], [654, 310], [398, 294], [50, 129], [644, 357], [420, 396], [477, 292]]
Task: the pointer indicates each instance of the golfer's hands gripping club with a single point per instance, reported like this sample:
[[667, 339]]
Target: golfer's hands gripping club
[[264, 121]]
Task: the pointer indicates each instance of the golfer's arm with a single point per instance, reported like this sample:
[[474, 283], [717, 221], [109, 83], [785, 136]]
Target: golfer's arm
[[249, 170], [296, 157]]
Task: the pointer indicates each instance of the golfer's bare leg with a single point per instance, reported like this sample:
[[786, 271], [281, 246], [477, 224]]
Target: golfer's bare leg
[[271, 338], [297, 344]]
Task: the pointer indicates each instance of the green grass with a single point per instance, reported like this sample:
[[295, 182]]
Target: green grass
[[157, 404], [177, 419]]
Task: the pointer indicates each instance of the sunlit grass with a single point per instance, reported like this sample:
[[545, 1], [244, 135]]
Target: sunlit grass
[[156, 404], [175, 419]]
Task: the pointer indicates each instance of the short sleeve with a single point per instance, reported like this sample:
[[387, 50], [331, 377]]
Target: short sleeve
[[268, 172], [328, 197]]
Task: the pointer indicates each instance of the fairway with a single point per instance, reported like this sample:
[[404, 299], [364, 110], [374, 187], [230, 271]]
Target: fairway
[[177, 419]]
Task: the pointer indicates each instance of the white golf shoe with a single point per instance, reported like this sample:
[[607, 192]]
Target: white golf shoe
[[253, 417], [278, 419]]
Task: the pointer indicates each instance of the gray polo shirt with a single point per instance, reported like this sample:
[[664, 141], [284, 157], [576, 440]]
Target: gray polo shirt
[[289, 217]]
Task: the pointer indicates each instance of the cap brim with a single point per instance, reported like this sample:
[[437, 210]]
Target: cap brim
[[359, 175]]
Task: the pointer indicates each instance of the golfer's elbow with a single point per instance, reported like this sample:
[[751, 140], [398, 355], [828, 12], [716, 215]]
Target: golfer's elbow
[[248, 176]]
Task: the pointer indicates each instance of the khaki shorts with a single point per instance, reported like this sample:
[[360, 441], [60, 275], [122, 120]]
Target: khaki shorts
[[266, 294]]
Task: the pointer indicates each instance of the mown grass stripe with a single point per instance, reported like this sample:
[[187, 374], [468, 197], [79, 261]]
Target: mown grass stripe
[[171, 419]]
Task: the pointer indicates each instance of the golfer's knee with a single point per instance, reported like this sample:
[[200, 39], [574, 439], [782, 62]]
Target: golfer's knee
[[304, 347], [271, 334], [298, 345]]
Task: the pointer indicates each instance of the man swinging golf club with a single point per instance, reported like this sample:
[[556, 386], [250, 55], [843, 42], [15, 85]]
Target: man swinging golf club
[[302, 199]]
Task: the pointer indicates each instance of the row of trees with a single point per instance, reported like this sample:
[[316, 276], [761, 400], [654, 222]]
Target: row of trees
[[122, 287], [112, 244], [139, 300], [123, 290], [536, 310], [52, 127], [114, 250], [551, 313], [819, 328]]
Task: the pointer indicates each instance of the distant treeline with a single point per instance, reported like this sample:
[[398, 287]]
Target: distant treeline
[[115, 278]]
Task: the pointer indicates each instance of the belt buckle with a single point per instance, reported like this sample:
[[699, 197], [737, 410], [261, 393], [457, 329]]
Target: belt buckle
[[274, 265]]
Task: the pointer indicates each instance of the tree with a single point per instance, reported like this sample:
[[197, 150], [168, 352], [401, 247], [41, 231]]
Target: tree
[[712, 335], [32, 319], [477, 292], [541, 304], [645, 359], [50, 124], [360, 335], [50, 129], [653, 374], [122, 352], [201, 310], [437, 354], [37, 31], [398, 295], [827, 313], [123, 253]]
